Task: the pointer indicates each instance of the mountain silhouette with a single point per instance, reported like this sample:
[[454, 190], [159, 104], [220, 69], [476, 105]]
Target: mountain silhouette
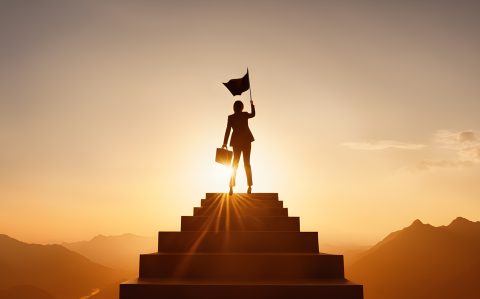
[[52, 268], [464, 227], [118, 252], [423, 262]]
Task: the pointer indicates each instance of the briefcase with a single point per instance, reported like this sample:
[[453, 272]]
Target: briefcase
[[224, 156]]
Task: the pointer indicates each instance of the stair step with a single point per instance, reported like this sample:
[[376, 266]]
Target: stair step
[[242, 202], [241, 266], [238, 241], [237, 247], [232, 211], [245, 223], [263, 196], [166, 289]]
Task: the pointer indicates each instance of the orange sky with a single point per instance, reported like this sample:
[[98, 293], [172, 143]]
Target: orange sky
[[110, 113]]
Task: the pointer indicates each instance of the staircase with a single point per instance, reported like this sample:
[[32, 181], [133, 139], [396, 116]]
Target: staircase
[[241, 246]]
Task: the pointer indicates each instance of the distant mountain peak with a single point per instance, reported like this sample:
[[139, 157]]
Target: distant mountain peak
[[417, 222], [460, 221], [465, 227], [101, 237], [98, 237]]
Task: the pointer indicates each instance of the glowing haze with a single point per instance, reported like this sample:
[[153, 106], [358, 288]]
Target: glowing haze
[[110, 112]]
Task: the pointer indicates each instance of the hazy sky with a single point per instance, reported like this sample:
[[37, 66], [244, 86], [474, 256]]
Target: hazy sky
[[110, 112]]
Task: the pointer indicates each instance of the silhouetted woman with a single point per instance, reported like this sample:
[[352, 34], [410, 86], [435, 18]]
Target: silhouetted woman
[[241, 141]]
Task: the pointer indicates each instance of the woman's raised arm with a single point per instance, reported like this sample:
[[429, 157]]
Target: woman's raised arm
[[252, 108]]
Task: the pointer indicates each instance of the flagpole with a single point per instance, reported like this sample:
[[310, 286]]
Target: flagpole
[[250, 86]]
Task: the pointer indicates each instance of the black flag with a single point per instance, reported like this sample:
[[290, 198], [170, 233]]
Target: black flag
[[238, 86]]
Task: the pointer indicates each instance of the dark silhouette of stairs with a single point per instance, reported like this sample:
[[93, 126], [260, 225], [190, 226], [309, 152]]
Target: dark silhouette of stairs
[[241, 246]]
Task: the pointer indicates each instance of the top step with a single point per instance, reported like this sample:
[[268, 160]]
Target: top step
[[268, 196]]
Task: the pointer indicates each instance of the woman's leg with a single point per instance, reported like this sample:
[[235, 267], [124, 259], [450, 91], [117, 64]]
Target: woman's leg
[[236, 158], [246, 163]]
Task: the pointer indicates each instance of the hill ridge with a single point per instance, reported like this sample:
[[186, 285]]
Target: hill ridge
[[422, 261], [51, 267]]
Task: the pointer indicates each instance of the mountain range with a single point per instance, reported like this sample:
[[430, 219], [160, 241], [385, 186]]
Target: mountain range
[[120, 252], [422, 261], [49, 271]]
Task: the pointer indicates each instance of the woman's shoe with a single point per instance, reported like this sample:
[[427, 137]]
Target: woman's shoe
[[231, 191], [249, 190]]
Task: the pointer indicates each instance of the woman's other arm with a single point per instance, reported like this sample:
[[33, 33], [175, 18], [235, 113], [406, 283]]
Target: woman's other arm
[[227, 133]]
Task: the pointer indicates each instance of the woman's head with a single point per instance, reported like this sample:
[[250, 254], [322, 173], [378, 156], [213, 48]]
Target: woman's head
[[238, 106]]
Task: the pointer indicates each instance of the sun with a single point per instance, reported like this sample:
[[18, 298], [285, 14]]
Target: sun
[[216, 179]]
